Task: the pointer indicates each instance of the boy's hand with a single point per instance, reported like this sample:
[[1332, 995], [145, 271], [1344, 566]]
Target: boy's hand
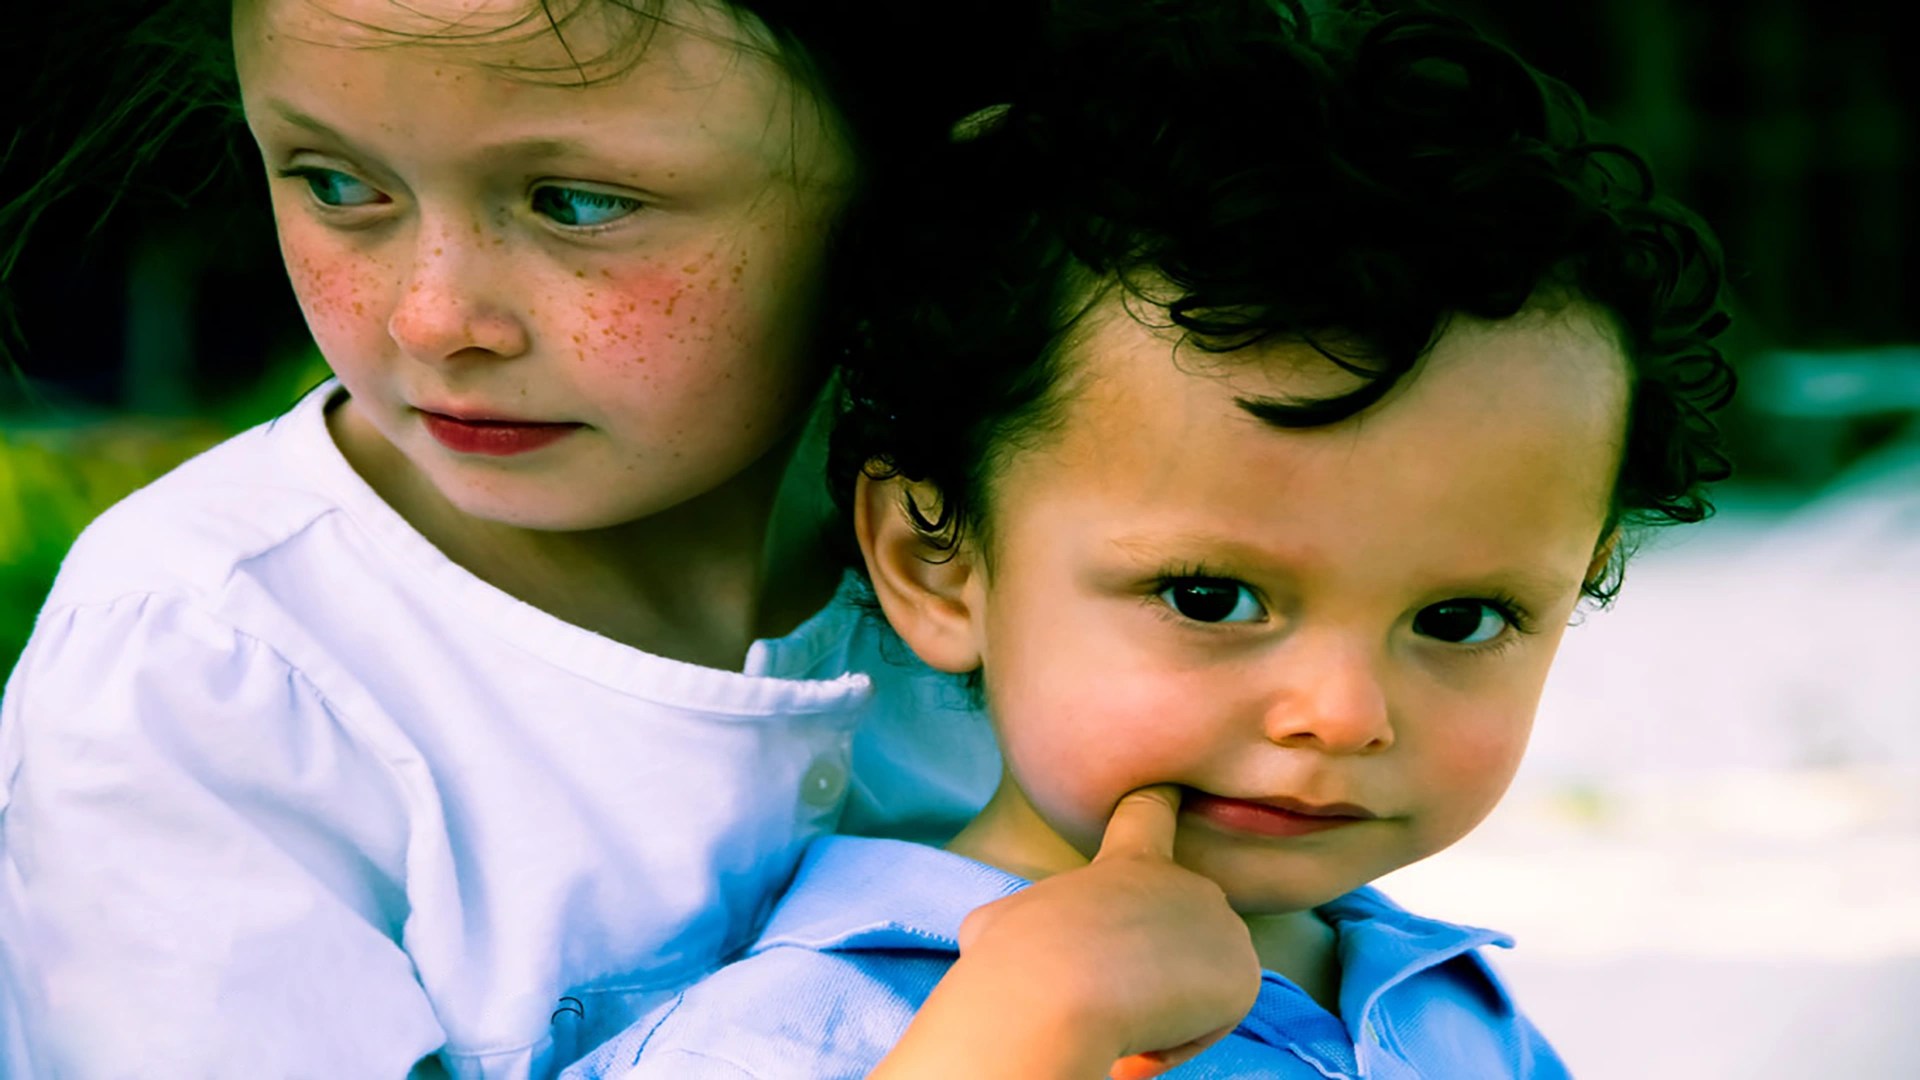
[[1143, 826], [1132, 958]]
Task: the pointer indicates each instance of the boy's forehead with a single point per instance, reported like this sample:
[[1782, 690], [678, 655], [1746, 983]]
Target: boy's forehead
[[1568, 352], [1550, 378], [1493, 461], [1125, 346]]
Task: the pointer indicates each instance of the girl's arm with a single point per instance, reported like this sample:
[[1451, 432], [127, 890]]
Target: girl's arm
[[201, 869], [1126, 967]]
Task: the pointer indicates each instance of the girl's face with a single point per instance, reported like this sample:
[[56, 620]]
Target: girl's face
[[1333, 639], [566, 307]]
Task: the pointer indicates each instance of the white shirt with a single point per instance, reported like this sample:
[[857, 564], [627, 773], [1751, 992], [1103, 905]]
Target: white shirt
[[286, 792]]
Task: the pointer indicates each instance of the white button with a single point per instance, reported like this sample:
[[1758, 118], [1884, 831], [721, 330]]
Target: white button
[[824, 783]]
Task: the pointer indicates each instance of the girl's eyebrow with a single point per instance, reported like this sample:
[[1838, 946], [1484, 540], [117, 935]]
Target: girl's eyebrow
[[297, 118], [531, 148]]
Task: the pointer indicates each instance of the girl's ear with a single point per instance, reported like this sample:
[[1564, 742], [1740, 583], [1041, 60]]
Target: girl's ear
[[931, 595]]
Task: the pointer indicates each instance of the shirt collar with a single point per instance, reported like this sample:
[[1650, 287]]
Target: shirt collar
[[854, 892], [1383, 944]]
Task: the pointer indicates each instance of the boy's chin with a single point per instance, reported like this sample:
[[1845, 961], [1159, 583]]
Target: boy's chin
[[1267, 903], [1282, 884]]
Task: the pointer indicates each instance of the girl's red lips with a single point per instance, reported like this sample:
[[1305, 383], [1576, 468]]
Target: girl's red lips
[[478, 417], [492, 436]]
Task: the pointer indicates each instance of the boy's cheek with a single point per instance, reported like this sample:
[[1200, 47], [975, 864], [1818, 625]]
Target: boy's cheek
[[1470, 769], [1077, 756]]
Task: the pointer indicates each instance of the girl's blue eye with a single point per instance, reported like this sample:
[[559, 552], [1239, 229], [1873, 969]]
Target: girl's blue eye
[[332, 188], [574, 206], [1212, 600], [1461, 622]]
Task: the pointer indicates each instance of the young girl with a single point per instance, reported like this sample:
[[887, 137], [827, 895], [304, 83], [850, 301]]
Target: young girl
[[487, 695], [1334, 361]]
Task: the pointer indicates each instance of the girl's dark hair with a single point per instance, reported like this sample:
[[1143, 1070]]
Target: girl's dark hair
[[1347, 180]]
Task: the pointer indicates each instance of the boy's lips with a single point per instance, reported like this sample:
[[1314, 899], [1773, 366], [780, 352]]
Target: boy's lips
[[1275, 816]]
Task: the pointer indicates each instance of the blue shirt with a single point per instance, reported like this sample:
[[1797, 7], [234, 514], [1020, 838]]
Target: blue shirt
[[869, 926]]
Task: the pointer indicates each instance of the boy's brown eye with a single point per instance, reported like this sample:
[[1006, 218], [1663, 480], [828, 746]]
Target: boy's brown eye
[[1461, 622], [1212, 600]]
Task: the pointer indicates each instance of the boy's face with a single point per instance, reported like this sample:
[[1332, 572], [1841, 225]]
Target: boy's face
[[1332, 638]]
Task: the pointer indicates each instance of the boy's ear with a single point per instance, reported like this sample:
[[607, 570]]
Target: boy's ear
[[930, 594], [1602, 554]]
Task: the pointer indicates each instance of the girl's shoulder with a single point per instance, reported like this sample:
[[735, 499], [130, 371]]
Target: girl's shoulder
[[179, 604], [240, 572], [186, 533]]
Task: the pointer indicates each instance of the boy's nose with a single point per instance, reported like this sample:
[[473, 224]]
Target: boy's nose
[[449, 306], [1331, 700]]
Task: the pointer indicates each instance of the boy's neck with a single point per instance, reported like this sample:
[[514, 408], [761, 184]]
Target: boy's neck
[[1010, 835], [699, 583], [1303, 947]]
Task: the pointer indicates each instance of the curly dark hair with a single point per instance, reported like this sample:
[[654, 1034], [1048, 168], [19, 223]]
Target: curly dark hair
[[1348, 180]]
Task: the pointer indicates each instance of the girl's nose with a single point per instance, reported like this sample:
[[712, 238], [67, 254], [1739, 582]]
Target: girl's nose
[[1331, 700], [451, 306]]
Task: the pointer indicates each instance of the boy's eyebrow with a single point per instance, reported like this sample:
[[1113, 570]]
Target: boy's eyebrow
[[1184, 544], [1528, 581]]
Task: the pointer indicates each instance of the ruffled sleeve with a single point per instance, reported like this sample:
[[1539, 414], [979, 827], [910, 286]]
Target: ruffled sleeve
[[202, 871]]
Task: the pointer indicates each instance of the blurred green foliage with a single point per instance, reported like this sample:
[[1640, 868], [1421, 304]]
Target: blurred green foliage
[[56, 476]]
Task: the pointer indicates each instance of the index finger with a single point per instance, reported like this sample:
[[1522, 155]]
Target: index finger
[[1143, 823]]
